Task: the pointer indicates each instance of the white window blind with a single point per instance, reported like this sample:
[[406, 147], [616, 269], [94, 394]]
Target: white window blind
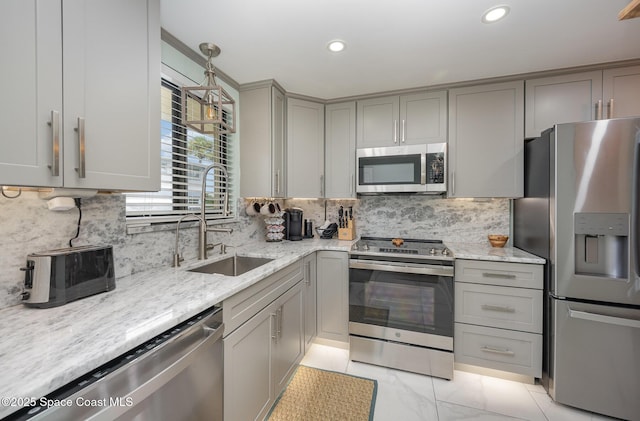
[[185, 154]]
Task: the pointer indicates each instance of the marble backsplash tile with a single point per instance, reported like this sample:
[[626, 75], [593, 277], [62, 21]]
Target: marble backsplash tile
[[27, 226]]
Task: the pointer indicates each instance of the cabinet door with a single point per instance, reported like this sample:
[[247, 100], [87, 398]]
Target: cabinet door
[[310, 294], [262, 150], [289, 345], [248, 385], [560, 99], [111, 85], [423, 118], [340, 150], [305, 148], [278, 144], [31, 85], [333, 295], [378, 121], [621, 88], [486, 140]]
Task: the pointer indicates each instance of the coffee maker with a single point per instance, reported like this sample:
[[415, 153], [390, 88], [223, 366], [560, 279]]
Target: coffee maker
[[293, 224]]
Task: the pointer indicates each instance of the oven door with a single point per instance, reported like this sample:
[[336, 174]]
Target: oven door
[[409, 303], [392, 169]]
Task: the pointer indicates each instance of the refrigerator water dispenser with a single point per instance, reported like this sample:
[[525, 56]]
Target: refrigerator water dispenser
[[601, 244]]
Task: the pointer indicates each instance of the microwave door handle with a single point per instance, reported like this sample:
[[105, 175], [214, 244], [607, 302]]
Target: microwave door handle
[[423, 169]]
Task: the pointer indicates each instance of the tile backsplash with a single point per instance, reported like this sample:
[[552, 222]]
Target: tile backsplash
[[27, 226]]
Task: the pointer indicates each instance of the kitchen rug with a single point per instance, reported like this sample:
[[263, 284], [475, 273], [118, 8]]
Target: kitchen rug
[[314, 394]]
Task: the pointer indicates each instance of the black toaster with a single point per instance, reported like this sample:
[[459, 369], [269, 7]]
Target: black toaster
[[56, 277]]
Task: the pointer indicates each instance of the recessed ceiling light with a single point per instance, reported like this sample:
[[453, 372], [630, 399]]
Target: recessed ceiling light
[[495, 14], [336, 46]]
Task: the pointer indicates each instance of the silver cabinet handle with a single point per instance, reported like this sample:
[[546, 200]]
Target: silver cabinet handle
[[274, 329], [404, 130], [503, 309], [497, 351], [453, 183], [611, 320], [322, 186], [351, 184], [498, 275], [55, 135], [81, 148], [395, 131], [610, 106], [308, 270], [423, 169], [279, 322], [599, 110], [277, 181]]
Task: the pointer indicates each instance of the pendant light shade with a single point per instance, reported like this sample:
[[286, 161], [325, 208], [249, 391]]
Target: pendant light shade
[[208, 109]]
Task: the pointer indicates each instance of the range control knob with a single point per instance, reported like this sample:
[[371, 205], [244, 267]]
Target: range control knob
[[446, 252], [365, 247], [432, 251]]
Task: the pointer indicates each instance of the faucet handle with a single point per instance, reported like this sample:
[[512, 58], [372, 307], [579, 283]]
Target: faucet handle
[[177, 259]]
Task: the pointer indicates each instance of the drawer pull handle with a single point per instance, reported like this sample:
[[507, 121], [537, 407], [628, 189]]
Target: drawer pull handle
[[497, 351], [498, 275], [503, 309]]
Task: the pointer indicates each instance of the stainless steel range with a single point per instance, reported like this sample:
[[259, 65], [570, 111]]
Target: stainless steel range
[[401, 305]]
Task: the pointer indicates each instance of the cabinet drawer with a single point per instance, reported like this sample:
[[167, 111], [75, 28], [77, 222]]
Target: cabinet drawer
[[240, 307], [500, 349], [502, 307], [521, 275]]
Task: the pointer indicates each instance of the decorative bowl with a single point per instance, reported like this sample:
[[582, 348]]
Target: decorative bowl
[[498, 240]]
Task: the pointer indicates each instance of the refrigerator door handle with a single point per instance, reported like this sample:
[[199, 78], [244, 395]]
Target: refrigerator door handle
[[610, 320], [635, 197]]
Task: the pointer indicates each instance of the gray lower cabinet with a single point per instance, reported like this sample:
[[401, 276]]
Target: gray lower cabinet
[[333, 295], [310, 297], [262, 352], [498, 316]]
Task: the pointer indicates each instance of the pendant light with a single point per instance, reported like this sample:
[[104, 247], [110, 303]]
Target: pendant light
[[208, 109]]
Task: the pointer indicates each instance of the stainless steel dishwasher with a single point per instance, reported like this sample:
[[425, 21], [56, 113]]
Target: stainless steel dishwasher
[[175, 376]]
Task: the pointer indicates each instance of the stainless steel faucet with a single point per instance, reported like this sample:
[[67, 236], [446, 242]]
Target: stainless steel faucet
[[202, 239], [176, 253]]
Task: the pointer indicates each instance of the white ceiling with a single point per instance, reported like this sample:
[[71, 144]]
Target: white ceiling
[[398, 44]]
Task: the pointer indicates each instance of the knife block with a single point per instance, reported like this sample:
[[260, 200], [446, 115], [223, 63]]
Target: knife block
[[348, 233]]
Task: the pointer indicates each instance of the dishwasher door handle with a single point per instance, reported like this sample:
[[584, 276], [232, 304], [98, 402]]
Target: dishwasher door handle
[[140, 393]]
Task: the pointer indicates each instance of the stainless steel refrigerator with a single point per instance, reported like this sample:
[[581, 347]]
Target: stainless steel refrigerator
[[581, 213]]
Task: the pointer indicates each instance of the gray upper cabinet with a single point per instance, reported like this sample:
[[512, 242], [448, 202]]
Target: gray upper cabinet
[[340, 150], [262, 147], [102, 130], [561, 99], [402, 120], [609, 93], [486, 139], [305, 148], [621, 90]]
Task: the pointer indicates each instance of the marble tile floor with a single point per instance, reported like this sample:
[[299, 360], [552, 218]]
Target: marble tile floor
[[414, 397]]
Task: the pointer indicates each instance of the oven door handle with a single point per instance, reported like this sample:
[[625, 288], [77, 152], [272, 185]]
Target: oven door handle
[[400, 267]]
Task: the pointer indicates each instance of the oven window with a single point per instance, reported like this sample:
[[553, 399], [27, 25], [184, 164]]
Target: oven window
[[380, 170], [417, 303]]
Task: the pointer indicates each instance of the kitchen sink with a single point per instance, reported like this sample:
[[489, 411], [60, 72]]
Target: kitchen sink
[[232, 266]]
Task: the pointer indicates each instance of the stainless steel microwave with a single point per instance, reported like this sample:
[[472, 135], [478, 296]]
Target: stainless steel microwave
[[402, 169]]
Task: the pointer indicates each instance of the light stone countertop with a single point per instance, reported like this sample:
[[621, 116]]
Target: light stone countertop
[[475, 251], [43, 349]]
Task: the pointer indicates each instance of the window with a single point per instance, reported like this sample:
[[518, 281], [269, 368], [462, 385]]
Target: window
[[184, 155]]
